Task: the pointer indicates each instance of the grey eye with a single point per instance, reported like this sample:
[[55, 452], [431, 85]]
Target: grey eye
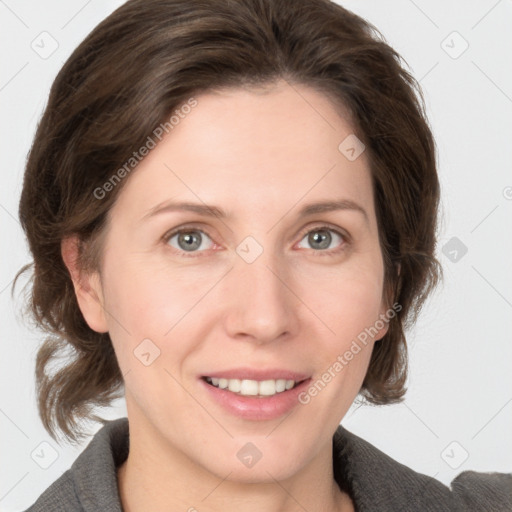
[[189, 241], [321, 239]]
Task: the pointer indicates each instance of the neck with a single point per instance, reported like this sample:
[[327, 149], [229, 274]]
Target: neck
[[156, 480]]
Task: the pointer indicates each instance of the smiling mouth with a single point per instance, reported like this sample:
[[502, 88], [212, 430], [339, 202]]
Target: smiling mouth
[[256, 388]]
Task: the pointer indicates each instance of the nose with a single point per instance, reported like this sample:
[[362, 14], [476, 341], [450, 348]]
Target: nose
[[261, 306]]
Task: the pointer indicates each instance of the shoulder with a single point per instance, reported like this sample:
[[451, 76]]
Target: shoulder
[[483, 491], [378, 482], [91, 482], [59, 497]]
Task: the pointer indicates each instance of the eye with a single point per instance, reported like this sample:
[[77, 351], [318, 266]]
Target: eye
[[193, 242], [189, 240], [322, 237]]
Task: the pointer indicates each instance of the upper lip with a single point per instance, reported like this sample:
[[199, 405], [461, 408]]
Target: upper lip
[[258, 374]]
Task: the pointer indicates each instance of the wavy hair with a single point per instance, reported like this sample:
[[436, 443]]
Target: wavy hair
[[125, 79]]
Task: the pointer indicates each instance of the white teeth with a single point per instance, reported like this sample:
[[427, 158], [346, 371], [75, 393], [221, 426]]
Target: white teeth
[[267, 387], [290, 384], [252, 387], [249, 387], [234, 385], [281, 385]]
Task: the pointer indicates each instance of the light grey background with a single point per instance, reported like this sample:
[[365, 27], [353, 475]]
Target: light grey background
[[460, 392]]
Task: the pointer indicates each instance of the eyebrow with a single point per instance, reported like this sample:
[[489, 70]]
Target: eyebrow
[[215, 211]]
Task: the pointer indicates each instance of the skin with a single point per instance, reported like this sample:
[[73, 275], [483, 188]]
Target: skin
[[261, 155]]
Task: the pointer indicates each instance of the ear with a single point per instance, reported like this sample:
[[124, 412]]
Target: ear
[[383, 321], [88, 289], [387, 310]]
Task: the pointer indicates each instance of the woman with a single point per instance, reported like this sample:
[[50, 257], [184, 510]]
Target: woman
[[232, 210]]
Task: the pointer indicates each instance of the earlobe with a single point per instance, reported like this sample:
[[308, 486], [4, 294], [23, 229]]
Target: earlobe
[[382, 324], [388, 312], [87, 285]]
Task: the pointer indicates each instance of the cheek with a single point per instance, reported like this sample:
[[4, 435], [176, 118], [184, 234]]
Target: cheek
[[148, 302], [351, 315], [347, 300], [145, 299], [138, 307], [357, 308]]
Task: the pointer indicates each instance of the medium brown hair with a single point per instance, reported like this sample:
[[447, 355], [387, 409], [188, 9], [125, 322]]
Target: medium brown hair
[[129, 75]]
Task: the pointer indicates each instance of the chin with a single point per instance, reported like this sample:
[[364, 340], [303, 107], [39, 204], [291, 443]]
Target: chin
[[259, 473], [248, 466]]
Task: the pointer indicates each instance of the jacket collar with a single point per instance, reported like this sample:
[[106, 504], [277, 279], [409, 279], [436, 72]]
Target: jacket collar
[[373, 479], [376, 482]]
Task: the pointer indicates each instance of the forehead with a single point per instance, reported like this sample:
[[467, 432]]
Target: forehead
[[267, 146]]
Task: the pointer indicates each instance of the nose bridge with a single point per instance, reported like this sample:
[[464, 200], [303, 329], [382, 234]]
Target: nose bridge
[[261, 304]]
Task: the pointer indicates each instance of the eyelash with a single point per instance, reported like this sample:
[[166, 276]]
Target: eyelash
[[195, 254]]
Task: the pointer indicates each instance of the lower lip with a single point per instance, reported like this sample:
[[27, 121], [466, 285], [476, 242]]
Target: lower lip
[[253, 407]]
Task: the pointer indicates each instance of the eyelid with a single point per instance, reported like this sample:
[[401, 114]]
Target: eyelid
[[319, 226], [184, 229], [316, 227]]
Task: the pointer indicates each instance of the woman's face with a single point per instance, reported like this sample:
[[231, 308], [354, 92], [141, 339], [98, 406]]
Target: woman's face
[[265, 291]]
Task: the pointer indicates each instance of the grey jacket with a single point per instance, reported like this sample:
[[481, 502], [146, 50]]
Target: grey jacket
[[375, 481]]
